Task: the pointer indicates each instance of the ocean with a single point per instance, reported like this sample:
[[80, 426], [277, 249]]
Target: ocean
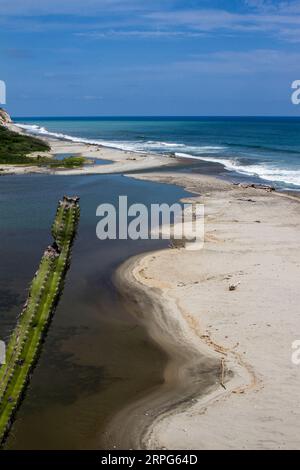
[[97, 358], [267, 148]]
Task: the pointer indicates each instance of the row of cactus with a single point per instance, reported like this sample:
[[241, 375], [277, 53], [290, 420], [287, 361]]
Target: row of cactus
[[47, 285]]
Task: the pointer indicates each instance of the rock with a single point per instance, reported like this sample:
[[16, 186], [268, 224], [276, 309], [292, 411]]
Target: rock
[[265, 187], [4, 117], [233, 286]]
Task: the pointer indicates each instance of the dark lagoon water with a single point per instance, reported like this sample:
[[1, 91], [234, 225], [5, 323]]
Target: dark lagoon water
[[267, 148], [96, 358]]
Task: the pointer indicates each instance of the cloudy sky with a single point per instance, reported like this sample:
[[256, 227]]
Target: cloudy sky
[[150, 57]]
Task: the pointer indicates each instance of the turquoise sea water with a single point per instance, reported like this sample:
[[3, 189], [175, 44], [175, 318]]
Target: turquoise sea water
[[267, 148]]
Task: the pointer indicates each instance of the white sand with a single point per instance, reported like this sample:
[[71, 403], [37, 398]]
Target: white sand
[[212, 335], [183, 298], [121, 161]]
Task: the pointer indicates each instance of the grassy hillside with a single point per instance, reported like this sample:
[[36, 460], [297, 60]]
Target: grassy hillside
[[14, 147]]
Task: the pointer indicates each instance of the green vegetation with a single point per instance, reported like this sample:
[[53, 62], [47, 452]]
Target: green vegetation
[[15, 147], [47, 285], [68, 162]]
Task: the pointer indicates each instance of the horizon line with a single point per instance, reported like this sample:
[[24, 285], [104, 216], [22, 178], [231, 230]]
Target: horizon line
[[110, 116]]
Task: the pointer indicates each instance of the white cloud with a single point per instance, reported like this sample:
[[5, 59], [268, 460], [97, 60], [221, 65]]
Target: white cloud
[[69, 7], [255, 61], [154, 19], [284, 22], [263, 62], [158, 34]]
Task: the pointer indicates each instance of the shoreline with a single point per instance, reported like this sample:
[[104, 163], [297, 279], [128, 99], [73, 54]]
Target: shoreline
[[214, 372], [212, 363], [188, 357], [118, 161]]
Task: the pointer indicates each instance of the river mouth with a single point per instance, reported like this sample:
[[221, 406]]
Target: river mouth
[[97, 357]]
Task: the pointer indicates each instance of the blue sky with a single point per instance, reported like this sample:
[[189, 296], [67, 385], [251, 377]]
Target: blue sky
[[149, 57]]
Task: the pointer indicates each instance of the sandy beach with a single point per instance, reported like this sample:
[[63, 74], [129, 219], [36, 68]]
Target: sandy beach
[[226, 316], [119, 161], [150, 229], [230, 382]]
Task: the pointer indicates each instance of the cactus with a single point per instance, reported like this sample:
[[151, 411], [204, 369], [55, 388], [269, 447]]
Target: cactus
[[46, 287]]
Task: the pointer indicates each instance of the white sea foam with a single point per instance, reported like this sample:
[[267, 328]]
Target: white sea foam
[[37, 130], [134, 146], [264, 171], [163, 144], [173, 146], [34, 129]]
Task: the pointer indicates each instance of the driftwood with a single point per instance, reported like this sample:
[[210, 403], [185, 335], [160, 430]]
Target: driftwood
[[222, 373], [265, 187], [234, 286]]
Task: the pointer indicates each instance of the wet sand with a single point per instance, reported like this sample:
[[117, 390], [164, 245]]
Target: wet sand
[[226, 376], [96, 358], [230, 382], [120, 161]]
